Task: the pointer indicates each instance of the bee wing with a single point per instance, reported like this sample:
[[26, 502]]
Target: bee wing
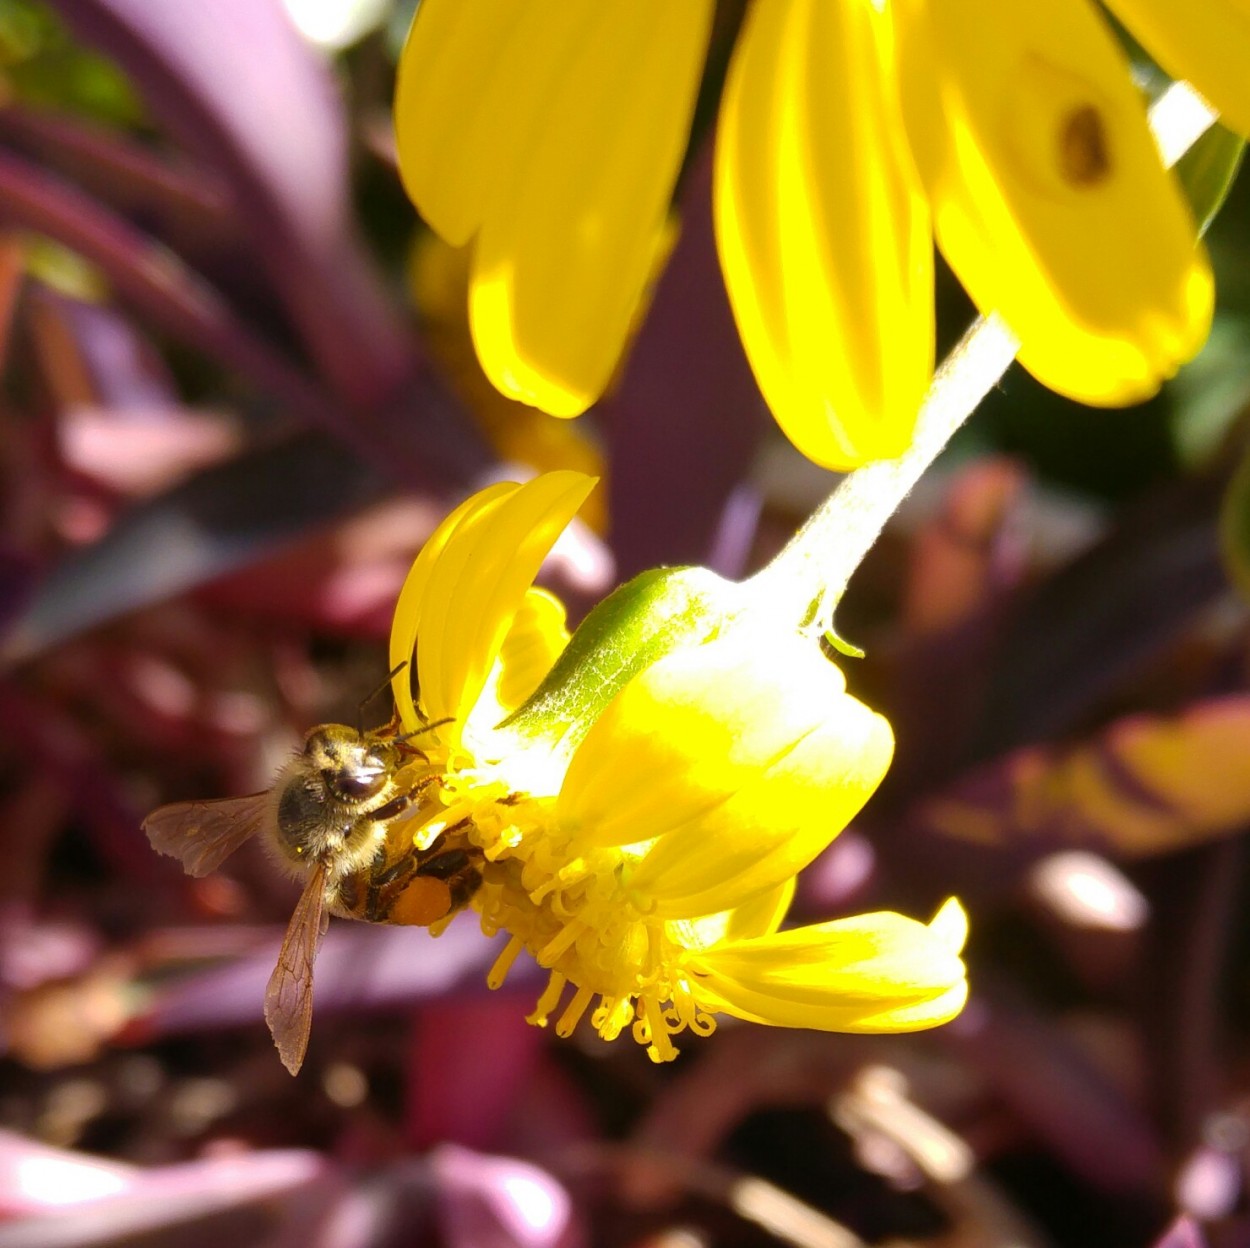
[[289, 997], [202, 835]]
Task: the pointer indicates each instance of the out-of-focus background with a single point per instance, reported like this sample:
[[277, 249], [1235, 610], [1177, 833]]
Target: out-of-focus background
[[236, 394]]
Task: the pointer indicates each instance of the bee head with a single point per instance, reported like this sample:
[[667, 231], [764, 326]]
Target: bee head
[[352, 766]]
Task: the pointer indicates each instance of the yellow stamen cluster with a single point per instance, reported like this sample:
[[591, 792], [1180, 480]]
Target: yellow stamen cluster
[[576, 915]]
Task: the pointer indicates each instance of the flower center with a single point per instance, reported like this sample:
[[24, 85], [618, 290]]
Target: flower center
[[576, 915]]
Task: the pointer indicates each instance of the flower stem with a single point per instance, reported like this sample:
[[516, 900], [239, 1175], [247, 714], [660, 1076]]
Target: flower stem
[[841, 531], [806, 580]]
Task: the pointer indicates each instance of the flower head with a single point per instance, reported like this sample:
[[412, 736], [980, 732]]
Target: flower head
[[850, 134], [644, 795]]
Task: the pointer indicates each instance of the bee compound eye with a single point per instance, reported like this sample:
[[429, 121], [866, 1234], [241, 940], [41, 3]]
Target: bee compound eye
[[354, 785]]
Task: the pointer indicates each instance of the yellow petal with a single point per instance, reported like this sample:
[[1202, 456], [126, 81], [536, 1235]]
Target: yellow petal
[[467, 584], [407, 617], [1205, 43], [760, 916], [1049, 198], [823, 233], [566, 251], [438, 280], [872, 973], [475, 79], [744, 756], [534, 641]]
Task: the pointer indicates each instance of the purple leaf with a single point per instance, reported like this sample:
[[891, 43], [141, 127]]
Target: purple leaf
[[1183, 1233], [498, 1202], [218, 521], [419, 436], [56, 746], [1088, 628], [186, 206], [359, 967], [121, 368], [73, 1201], [155, 283], [687, 418], [471, 1062], [1058, 1094], [244, 92]]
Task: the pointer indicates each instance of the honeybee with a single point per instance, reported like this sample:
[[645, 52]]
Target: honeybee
[[335, 819]]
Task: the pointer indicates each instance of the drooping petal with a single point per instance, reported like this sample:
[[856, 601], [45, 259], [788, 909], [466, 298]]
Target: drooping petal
[[1205, 43], [744, 757], [871, 973], [466, 585], [823, 233], [567, 248], [1050, 200]]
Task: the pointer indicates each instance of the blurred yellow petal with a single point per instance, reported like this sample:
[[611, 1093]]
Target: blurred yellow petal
[[566, 251], [475, 80], [466, 586], [744, 759], [1049, 198], [1206, 43], [1147, 784], [871, 973], [438, 279], [823, 234]]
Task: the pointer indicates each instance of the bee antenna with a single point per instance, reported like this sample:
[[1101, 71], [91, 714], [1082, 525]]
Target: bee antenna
[[360, 710], [416, 732]]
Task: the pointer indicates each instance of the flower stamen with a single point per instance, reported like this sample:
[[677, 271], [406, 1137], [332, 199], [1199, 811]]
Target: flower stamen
[[650, 1029], [503, 963], [573, 1012], [559, 944], [548, 1001]]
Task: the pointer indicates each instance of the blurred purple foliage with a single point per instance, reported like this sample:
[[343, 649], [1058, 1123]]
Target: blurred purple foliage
[[226, 431]]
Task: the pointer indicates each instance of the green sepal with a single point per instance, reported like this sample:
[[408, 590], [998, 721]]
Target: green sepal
[[641, 621], [1207, 170]]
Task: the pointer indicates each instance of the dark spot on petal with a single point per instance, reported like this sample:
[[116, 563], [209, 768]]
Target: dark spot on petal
[[1084, 158]]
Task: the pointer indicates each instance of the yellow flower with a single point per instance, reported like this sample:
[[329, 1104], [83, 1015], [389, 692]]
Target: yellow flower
[[642, 820], [551, 136]]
